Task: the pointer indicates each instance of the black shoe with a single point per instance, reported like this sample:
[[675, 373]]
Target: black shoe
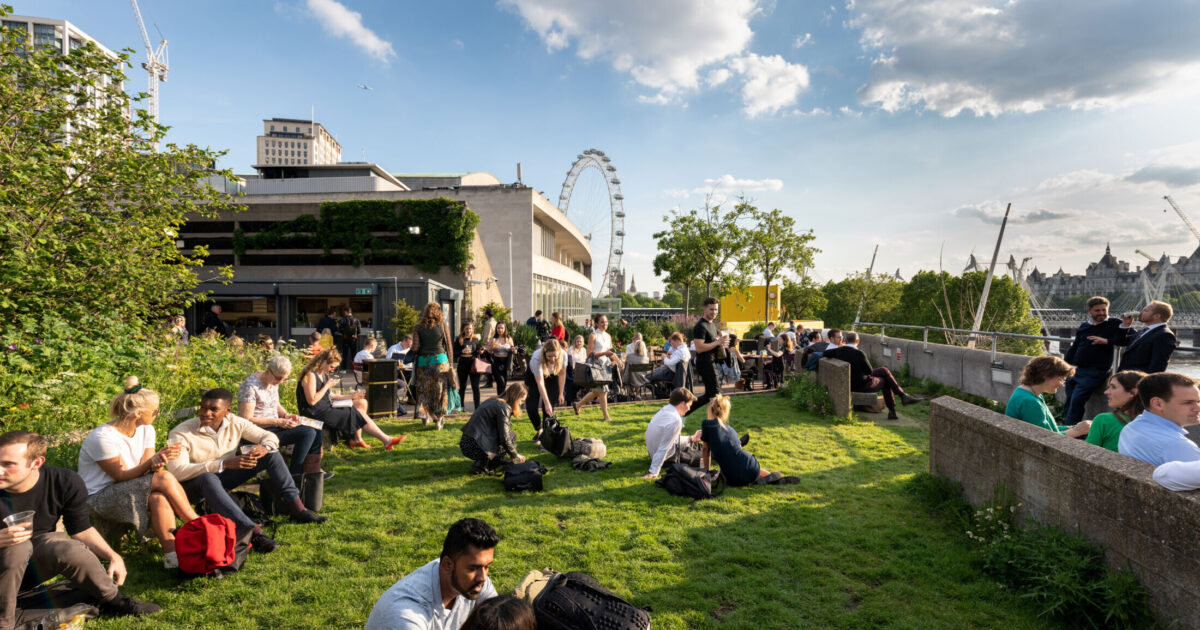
[[125, 605], [892, 415], [309, 516], [328, 475], [745, 439], [263, 543], [907, 400]]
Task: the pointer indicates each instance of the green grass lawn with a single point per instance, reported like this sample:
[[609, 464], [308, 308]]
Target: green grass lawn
[[845, 548]]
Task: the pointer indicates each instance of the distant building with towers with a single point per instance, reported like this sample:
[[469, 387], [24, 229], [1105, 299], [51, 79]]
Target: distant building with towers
[[1109, 276]]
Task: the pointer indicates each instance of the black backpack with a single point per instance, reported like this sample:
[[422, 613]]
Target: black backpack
[[556, 438], [689, 481], [576, 601], [349, 327], [692, 455], [524, 476]]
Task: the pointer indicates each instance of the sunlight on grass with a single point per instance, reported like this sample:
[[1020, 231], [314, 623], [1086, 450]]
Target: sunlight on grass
[[844, 548]]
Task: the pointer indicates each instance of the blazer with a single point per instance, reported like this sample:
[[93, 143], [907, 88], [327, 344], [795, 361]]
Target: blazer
[[860, 368], [1150, 351]]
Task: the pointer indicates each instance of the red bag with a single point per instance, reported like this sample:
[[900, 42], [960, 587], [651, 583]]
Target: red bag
[[206, 544]]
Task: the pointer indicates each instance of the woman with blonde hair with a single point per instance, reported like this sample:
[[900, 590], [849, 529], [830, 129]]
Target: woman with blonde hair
[[433, 376], [126, 479], [314, 398], [721, 442], [600, 353], [546, 381]]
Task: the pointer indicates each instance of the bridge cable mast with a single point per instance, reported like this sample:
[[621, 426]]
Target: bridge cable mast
[[987, 284]]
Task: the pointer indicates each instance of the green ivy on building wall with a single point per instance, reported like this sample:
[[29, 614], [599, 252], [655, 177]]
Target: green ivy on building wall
[[377, 232]]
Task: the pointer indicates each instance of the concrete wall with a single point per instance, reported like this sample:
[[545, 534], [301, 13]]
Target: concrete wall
[[1110, 499]]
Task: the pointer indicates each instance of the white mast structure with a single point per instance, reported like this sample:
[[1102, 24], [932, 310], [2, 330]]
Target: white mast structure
[[156, 64]]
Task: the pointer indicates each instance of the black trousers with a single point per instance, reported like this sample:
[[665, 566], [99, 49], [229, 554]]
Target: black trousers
[[708, 374], [464, 372], [533, 401], [500, 368]]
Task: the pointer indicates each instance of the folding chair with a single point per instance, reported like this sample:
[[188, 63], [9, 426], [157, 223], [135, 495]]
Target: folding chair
[[638, 379]]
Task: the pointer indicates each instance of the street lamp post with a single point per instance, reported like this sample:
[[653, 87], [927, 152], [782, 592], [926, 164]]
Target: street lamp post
[[511, 305]]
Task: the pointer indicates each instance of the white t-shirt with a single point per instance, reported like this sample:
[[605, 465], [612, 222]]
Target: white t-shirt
[[396, 351], [363, 356], [105, 442]]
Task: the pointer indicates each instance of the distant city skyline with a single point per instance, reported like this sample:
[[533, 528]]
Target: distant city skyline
[[905, 123]]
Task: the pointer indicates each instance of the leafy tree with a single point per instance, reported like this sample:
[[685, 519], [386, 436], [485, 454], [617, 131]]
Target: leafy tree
[[705, 247], [405, 318], [674, 262], [89, 212], [879, 295], [774, 246], [802, 299]]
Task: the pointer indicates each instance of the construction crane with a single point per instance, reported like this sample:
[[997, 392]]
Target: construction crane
[[156, 64], [1148, 256], [1183, 216]]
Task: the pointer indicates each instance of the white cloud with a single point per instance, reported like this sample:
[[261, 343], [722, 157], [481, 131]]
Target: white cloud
[[771, 83], [718, 188], [846, 111], [671, 47], [990, 57], [1172, 175], [803, 40], [340, 21]]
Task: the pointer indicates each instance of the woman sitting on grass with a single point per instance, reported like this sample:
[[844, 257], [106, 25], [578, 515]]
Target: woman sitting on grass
[[1042, 375], [488, 436], [1122, 396], [126, 480], [721, 442], [315, 400]]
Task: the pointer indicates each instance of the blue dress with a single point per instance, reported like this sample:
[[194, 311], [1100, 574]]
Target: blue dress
[[739, 467]]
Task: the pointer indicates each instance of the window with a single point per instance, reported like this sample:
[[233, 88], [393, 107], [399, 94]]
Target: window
[[272, 127], [47, 35], [285, 127]]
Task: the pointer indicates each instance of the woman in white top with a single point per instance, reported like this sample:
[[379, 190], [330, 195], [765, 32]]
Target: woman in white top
[[546, 382], [126, 479], [600, 353], [501, 347]]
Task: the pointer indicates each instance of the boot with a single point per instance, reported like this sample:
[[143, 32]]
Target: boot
[[907, 400], [892, 414], [312, 463]]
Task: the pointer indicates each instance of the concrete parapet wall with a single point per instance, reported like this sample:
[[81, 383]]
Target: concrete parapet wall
[[1110, 499], [835, 376]]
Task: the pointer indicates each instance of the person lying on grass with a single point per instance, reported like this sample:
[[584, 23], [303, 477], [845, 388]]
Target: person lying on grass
[[442, 594], [663, 439], [488, 436], [126, 480], [722, 443], [211, 463]]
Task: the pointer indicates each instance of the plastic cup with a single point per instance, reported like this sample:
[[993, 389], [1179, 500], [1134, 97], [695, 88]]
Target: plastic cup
[[20, 519], [246, 449]]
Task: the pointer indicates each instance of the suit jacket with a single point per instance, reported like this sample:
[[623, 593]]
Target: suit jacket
[[860, 367], [1150, 351]]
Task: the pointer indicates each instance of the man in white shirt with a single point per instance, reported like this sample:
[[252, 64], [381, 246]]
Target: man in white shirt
[[769, 331], [399, 350], [442, 594], [366, 354], [663, 437], [679, 354]]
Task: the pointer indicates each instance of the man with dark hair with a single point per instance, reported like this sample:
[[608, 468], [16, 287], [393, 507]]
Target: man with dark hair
[[709, 342], [1092, 355], [31, 553], [768, 332], [211, 463], [442, 594], [328, 324], [813, 353], [1150, 350], [865, 379], [1158, 436], [663, 439], [349, 328]]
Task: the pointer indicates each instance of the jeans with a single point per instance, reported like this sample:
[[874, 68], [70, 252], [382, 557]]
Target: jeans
[[814, 360], [214, 487], [533, 401], [1079, 389], [500, 367], [307, 441]]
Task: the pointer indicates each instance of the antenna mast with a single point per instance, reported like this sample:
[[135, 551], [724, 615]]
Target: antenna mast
[[156, 64]]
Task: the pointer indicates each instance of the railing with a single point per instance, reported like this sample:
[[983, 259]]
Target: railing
[[982, 333]]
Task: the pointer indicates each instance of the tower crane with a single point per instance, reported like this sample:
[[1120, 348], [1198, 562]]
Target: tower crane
[[1186, 220], [156, 64], [1143, 252]]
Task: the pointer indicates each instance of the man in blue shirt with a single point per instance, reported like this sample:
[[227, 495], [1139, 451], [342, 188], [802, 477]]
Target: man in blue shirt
[[1157, 436]]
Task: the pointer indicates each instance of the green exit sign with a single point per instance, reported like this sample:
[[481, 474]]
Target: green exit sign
[[367, 291]]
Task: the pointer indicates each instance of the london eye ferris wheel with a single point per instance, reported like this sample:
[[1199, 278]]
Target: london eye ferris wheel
[[591, 198]]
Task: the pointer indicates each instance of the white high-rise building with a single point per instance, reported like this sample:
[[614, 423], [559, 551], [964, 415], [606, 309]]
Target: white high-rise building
[[59, 34], [294, 142]]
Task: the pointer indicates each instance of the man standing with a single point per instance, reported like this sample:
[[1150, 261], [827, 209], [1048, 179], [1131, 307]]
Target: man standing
[[865, 379], [442, 594], [708, 341], [34, 552], [213, 321], [1150, 350], [349, 328], [1091, 353], [327, 324], [1158, 436]]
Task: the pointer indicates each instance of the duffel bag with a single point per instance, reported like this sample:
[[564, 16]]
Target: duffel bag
[[524, 476], [576, 601], [211, 545], [592, 447]]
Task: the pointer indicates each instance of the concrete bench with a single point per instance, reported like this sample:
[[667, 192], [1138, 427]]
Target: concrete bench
[[834, 374]]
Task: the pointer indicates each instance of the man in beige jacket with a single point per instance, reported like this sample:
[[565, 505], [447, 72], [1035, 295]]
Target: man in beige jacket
[[211, 463]]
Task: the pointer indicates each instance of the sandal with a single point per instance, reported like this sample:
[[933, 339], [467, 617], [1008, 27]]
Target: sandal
[[394, 441]]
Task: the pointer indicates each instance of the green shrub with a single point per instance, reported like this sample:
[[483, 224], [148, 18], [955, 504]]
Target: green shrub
[[755, 330], [501, 314], [405, 319], [808, 395], [526, 337]]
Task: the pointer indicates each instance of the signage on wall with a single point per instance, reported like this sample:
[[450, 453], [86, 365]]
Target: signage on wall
[[366, 291]]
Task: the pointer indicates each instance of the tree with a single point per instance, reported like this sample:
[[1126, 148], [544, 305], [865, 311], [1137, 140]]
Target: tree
[[802, 299], [879, 295], [706, 247], [774, 246], [89, 212], [673, 262], [405, 319]]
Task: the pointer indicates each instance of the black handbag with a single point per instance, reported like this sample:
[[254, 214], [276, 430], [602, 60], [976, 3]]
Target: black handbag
[[524, 476], [556, 437]]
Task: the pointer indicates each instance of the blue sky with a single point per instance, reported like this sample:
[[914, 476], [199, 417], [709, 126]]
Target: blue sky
[[907, 123]]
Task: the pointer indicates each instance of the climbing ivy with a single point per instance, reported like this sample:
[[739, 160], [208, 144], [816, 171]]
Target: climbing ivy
[[376, 232]]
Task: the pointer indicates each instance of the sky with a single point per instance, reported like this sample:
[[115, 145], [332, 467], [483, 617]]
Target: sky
[[908, 124]]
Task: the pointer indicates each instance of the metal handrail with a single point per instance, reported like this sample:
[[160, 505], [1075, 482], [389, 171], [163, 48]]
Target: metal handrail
[[983, 333]]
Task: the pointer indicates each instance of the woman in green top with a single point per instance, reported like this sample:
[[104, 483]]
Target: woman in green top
[[1042, 375], [1122, 396]]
